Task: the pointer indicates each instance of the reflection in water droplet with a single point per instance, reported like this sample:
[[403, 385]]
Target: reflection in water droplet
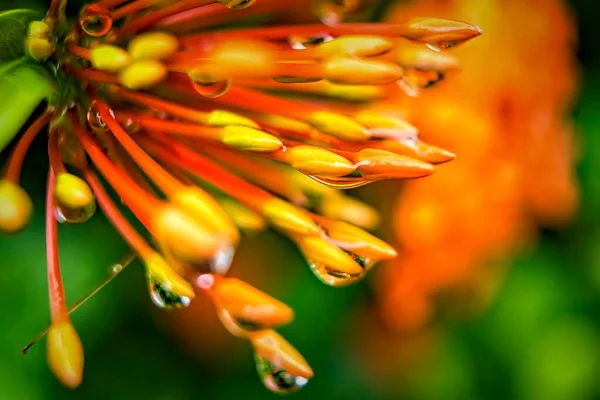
[[212, 89], [164, 298], [352, 181], [94, 120], [95, 20], [221, 261], [441, 46], [276, 379], [237, 326], [421, 78], [66, 215], [304, 42], [339, 279]]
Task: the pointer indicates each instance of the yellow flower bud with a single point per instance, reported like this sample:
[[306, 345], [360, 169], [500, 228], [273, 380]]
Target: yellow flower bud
[[109, 58], [153, 46], [162, 272], [65, 354], [289, 218], [250, 139], [357, 45], [339, 126], [15, 207], [72, 192], [312, 160], [274, 348], [226, 118], [143, 75], [356, 71], [39, 48]]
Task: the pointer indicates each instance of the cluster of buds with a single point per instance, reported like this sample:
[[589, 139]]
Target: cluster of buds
[[186, 129]]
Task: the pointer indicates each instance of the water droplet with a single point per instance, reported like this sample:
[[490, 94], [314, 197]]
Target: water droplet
[[421, 78], [304, 42], [221, 261], [338, 279], [164, 298], [276, 379], [333, 12], [66, 215], [212, 89], [94, 120], [237, 4], [237, 326], [352, 181], [441, 46], [95, 20]]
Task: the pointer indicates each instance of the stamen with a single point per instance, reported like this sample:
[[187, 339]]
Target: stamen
[[13, 167], [58, 307]]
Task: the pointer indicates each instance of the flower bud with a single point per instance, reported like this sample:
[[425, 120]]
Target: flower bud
[[65, 354], [153, 46], [15, 207]]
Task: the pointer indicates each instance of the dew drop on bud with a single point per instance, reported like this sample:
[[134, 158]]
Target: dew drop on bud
[[305, 42], [276, 379], [236, 326], [441, 46], [421, 78], [164, 298], [340, 279], [94, 120], [66, 215], [352, 181], [222, 260], [95, 20], [212, 89]]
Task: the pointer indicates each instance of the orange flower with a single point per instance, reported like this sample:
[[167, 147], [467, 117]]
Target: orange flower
[[506, 116], [181, 122]]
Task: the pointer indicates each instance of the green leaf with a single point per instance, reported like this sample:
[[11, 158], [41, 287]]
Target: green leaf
[[23, 86], [13, 31]]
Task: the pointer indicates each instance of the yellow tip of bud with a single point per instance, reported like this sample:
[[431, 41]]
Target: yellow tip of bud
[[387, 165], [205, 209], [339, 126], [356, 71], [415, 56], [312, 160], [274, 348], [358, 46], [285, 123], [359, 241], [349, 209], [15, 207], [161, 271], [38, 29], [433, 154], [109, 58], [289, 218], [353, 92], [320, 251], [143, 74], [183, 237], [65, 354], [236, 4], [226, 118], [153, 46], [246, 303], [244, 218], [39, 48], [250, 139], [385, 126], [72, 192], [441, 33]]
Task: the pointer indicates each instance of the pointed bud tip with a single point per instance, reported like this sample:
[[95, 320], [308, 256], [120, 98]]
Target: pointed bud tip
[[250, 139], [65, 354]]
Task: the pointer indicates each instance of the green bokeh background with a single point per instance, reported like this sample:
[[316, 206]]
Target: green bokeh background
[[540, 339]]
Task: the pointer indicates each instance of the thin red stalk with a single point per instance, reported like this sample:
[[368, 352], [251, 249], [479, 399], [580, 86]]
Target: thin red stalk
[[15, 162], [114, 215], [181, 156], [155, 16], [94, 75], [131, 8], [54, 155], [56, 290], [162, 178], [141, 203]]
